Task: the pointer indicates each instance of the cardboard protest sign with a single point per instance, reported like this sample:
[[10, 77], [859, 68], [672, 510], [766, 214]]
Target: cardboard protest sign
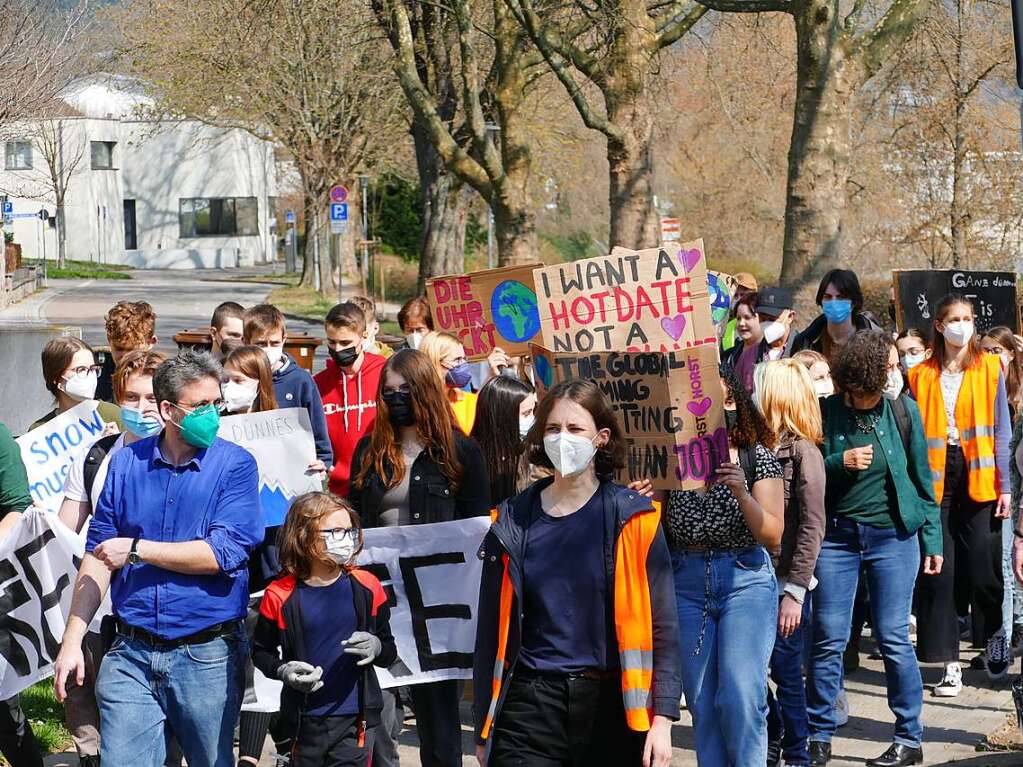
[[918, 291], [495, 307], [39, 561], [669, 406], [48, 451], [639, 301], [282, 443], [721, 289]]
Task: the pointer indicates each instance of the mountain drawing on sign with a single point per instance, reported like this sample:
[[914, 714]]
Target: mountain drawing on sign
[[275, 502], [513, 307]]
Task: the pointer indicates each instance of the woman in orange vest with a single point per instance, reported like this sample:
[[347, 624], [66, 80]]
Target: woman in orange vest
[[726, 588], [962, 398], [577, 657], [448, 355]]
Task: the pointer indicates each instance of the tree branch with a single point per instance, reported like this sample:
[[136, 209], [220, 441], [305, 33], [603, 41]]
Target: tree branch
[[888, 34], [671, 29], [748, 6]]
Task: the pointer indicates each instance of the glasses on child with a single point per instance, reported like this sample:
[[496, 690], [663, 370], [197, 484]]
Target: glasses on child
[[336, 533]]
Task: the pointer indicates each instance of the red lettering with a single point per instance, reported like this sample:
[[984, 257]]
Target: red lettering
[[583, 319], [442, 291], [623, 298], [662, 288], [474, 313], [682, 295], [643, 299], [599, 298], [465, 289], [558, 316]]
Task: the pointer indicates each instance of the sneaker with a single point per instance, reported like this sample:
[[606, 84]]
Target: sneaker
[[979, 661], [773, 753], [1017, 638], [912, 624], [841, 709], [997, 657], [951, 683], [682, 703]]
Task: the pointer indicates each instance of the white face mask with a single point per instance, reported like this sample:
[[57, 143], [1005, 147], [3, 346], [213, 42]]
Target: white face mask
[[239, 396], [824, 387], [367, 345], [413, 340], [569, 454], [958, 333], [525, 424], [81, 387], [341, 551], [773, 331], [910, 361], [274, 355], [893, 388]]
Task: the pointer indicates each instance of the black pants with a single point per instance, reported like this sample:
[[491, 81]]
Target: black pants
[[971, 574], [328, 741], [438, 722], [17, 743], [551, 721]]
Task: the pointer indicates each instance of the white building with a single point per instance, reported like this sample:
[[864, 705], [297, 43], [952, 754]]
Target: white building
[[142, 192]]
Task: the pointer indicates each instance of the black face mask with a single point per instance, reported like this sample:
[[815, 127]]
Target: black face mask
[[399, 408], [731, 419], [345, 357]]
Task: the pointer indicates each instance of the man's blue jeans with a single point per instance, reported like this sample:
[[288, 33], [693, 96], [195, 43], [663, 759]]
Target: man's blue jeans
[[787, 712], [728, 614], [891, 560], [195, 690]]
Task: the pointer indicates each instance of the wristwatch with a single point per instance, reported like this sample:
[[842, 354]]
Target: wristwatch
[[133, 553]]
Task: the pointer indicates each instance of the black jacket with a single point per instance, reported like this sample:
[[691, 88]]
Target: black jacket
[[431, 497], [279, 625], [812, 337]]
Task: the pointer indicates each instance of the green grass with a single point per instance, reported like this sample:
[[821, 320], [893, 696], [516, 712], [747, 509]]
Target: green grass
[[304, 302], [88, 270], [46, 716]]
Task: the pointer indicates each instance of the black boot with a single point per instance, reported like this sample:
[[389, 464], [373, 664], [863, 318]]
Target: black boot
[[773, 753], [898, 755], [820, 753], [88, 760]]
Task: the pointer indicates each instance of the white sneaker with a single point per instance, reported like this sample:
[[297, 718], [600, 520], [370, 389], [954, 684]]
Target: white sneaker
[[951, 683], [841, 709], [682, 703]]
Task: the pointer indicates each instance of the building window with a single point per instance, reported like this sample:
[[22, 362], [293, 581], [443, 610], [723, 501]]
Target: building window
[[103, 154], [18, 155], [218, 216]]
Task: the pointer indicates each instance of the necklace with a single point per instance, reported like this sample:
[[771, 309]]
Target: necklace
[[868, 424]]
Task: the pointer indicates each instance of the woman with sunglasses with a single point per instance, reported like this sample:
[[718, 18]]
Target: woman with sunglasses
[[71, 374]]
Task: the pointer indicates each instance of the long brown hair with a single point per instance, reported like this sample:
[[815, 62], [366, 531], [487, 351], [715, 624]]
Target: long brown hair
[[299, 542], [973, 348], [435, 423], [252, 362], [57, 355], [1004, 337]]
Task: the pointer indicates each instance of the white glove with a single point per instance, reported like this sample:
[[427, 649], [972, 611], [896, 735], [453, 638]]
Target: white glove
[[363, 644], [300, 676]]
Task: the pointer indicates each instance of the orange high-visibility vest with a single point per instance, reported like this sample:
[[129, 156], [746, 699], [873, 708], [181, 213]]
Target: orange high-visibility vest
[[975, 417], [633, 623]]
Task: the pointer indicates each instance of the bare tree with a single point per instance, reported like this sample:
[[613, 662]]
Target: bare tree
[[609, 48]]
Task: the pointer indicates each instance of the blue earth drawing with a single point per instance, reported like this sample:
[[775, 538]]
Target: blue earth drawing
[[513, 307], [542, 368], [275, 503], [719, 298]]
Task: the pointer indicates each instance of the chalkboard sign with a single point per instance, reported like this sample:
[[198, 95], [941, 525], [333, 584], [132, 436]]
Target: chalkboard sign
[[918, 291]]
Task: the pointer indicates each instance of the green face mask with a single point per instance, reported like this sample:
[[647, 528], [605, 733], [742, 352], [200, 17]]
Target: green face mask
[[199, 428]]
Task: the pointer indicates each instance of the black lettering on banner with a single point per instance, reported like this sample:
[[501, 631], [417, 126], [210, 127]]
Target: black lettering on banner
[[15, 595], [46, 601], [421, 613], [379, 569]]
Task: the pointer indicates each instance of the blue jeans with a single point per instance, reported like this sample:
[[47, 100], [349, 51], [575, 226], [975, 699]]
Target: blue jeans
[[787, 712], [891, 560], [195, 690], [728, 612]]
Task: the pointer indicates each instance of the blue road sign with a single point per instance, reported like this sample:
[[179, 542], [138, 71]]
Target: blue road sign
[[8, 208], [339, 211], [289, 217], [11, 216]]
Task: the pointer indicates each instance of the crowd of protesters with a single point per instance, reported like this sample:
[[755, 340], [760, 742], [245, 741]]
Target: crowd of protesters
[[868, 478]]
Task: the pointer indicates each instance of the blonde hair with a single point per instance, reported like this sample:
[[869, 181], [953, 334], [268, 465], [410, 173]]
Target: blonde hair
[[436, 346], [787, 398], [808, 358]]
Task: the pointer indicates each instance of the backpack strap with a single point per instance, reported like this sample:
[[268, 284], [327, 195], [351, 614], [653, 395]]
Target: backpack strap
[[902, 420], [748, 462], [94, 459]]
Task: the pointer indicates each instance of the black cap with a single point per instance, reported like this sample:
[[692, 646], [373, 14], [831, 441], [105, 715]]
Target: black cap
[[771, 302]]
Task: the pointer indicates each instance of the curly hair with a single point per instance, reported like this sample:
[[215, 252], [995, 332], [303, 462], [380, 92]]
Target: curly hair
[[861, 366], [750, 425]]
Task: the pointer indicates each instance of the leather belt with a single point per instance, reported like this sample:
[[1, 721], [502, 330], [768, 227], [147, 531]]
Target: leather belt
[[199, 637]]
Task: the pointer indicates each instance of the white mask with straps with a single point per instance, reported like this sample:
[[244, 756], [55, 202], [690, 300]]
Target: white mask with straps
[[569, 454]]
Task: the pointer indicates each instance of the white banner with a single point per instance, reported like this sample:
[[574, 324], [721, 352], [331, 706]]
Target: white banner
[[48, 451], [282, 443], [38, 565]]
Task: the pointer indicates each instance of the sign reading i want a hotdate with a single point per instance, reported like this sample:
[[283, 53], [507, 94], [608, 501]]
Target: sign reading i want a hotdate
[[652, 300]]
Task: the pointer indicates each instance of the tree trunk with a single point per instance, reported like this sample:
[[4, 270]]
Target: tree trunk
[[818, 171], [61, 236], [958, 215], [308, 249], [445, 206]]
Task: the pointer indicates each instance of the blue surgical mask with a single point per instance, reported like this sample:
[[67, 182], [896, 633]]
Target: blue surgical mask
[[837, 310], [140, 425], [459, 376]]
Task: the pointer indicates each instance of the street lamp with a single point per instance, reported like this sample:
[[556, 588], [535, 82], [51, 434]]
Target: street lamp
[[491, 128]]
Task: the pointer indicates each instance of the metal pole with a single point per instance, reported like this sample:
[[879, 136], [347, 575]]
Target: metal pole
[[364, 183], [44, 225], [316, 251], [490, 237]]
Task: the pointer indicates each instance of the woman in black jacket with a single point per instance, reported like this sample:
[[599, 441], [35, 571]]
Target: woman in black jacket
[[841, 301], [416, 468]]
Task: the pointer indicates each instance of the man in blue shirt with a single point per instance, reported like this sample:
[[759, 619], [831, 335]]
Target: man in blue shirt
[[170, 537]]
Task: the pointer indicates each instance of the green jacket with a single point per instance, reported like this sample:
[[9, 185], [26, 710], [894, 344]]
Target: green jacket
[[14, 494], [910, 474]]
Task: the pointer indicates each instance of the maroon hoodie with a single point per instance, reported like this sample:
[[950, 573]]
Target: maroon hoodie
[[349, 404]]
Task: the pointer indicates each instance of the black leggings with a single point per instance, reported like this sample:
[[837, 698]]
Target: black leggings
[[17, 743]]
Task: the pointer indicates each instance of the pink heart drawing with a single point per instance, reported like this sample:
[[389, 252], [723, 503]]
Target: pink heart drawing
[[674, 326], [689, 259], [699, 408]]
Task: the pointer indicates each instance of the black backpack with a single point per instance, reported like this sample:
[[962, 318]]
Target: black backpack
[[901, 414], [94, 459]]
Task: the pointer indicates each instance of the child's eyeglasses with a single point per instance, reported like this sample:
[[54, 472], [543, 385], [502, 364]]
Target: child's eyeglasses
[[337, 533]]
